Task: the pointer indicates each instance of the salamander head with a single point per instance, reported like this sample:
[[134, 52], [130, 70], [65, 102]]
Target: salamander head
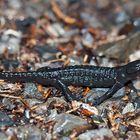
[[133, 68]]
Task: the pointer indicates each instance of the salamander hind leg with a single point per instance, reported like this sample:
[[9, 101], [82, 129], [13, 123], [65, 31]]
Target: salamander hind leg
[[108, 94], [65, 90]]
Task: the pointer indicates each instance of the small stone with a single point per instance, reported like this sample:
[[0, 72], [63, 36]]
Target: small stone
[[66, 122], [121, 17], [87, 38], [5, 120], [100, 134], [3, 136], [31, 91], [10, 41], [123, 129], [29, 132], [128, 108], [122, 48], [136, 23], [7, 103]]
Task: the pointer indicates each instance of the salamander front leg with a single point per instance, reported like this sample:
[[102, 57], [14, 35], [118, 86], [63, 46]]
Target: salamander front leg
[[108, 94], [131, 86]]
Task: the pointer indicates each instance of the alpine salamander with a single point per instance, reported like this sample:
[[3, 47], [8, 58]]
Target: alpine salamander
[[80, 75]]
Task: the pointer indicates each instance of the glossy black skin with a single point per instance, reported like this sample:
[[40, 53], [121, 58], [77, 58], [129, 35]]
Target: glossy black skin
[[85, 75]]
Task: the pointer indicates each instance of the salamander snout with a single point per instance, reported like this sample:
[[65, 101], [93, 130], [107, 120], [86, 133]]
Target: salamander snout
[[133, 68]]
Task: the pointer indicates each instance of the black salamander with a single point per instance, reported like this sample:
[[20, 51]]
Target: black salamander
[[80, 75]]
